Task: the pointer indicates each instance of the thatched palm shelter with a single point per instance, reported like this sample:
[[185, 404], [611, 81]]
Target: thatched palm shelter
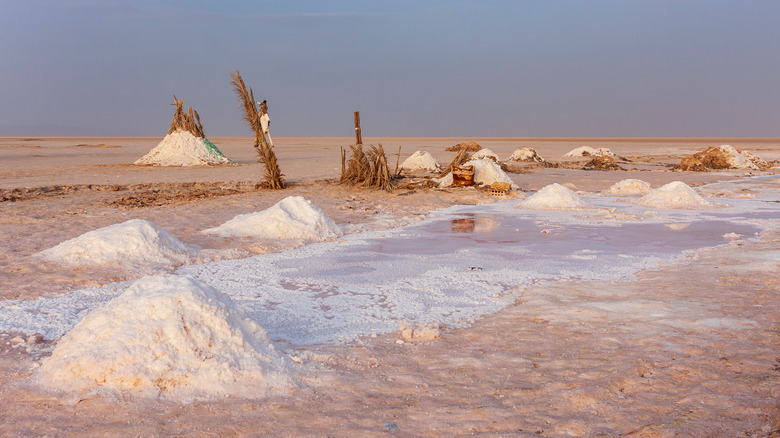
[[274, 179]]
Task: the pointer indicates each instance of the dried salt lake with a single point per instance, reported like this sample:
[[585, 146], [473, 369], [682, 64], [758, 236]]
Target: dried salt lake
[[458, 264]]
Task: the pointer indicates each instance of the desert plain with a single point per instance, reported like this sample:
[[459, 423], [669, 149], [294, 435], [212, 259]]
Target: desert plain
[[687, 345]]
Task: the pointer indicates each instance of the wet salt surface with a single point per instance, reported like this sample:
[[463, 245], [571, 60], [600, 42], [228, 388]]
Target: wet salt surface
[[461, 263]]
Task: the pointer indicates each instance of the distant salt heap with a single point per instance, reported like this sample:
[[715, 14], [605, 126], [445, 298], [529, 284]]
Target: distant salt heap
[[135, 243], [182, 148], [169, 337], [554, 197], [676, 194], [526, 154], [291, 218], [420, 160], [587, 151], [629, 187], [486, 172], [485, 153], [722, 157]]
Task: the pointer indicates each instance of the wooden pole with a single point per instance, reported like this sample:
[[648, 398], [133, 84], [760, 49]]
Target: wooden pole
[[397, 159], [358, 136]]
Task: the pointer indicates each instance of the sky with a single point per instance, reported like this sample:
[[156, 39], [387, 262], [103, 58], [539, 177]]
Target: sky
[[482, 68]]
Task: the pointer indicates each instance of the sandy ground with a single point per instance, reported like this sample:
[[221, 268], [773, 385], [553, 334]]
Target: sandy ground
[[513, 373]]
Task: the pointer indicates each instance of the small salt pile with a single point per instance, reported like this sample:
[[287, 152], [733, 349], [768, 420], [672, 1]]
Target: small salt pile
[[726, 156], [182, 148], [554, 197], [169, 337], [587, 151], [294, 217], [676, 194], [484, 153], [135, 243], [420, 160], [629, 187], [526, 154], [486, 172]]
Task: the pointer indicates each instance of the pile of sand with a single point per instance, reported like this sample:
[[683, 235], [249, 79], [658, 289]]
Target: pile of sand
[[676, 194], [587, 151], [526, 154], [182, 148], [554, 197], [420, 160], [291, 218], [470, 146], [168, 337], [486, 172], [722, 157], [485, 154], [629, 187], [135, 243]]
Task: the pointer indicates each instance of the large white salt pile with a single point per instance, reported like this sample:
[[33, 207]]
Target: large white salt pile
[[526, 154], [629, 187], [554, 197], [483, 154], [170, 337], [291, 218], [131, 244], [420, 160], [486, 172], [181, 148], [587, 151], [676, 194]]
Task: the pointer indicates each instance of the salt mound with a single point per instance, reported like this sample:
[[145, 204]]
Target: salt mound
[[629, 187], [587, 151], [486, 172], [726, 157], [554, 197], [134, 243], [181, 148], [291, 218], [168, 337], [526, 154], [420, 160], [485, 153], [676, 194]]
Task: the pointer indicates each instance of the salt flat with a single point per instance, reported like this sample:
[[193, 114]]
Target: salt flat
[[614, 319]]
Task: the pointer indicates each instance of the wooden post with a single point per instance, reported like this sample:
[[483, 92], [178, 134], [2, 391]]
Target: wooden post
[[358, 136], [397, 159]]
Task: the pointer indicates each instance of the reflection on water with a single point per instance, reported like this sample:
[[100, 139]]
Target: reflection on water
[[474, 223], [463, 225]]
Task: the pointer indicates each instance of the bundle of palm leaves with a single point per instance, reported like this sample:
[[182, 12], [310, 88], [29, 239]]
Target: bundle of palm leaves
[[462, 156], [274, 179], [186, 121], [366, 169]]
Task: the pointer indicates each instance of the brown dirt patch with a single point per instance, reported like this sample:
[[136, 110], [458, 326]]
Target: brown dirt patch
[[602, 162], [470, 146]]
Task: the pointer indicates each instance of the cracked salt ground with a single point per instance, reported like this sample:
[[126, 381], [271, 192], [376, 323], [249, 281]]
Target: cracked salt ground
[[374, 282]]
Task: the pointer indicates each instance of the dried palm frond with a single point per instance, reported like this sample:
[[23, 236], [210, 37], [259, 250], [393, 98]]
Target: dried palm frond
[[274, 179], [246, 99], [461, 157], [368, 170], [185, 121]]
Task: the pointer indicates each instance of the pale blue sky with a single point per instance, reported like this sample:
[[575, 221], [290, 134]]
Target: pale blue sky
[[412, 68]]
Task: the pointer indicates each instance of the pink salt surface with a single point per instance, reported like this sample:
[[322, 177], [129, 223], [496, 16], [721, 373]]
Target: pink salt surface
[[512, 373]]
